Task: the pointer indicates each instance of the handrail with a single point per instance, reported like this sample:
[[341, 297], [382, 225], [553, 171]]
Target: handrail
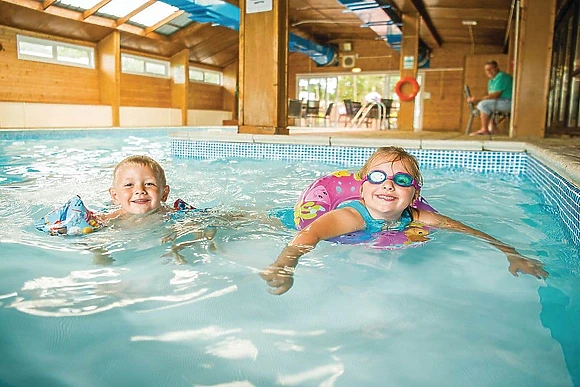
[[364, 111]]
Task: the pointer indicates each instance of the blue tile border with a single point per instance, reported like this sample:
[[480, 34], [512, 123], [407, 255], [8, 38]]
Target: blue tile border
[[560, 194], [557, 191], [493, 162]]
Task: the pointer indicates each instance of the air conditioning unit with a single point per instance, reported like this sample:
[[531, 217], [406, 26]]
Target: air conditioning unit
[[348, 61]]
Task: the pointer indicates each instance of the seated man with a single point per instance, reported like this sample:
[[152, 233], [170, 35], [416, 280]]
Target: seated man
[[498, 97]]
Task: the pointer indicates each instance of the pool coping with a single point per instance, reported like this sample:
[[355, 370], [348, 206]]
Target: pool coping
[[565, 166]]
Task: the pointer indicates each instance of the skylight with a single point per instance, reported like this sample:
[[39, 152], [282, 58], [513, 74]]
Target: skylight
[[120, 8], [153, 14], [83, 4]]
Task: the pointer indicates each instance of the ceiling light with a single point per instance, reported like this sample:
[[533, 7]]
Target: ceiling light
[[469, 22], [356, 70]]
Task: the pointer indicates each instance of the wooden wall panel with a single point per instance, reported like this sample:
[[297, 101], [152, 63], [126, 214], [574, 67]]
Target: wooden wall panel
[[204, 96], [139, 90], [440, 111], [29, 81], [180, 83], [108, 59], [230, 81]]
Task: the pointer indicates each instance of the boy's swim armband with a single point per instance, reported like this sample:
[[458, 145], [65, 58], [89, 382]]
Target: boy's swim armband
[[180, 205], [73, 218]]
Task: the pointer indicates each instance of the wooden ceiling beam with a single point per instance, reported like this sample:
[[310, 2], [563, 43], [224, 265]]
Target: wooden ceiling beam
[[47, 3], [169, 18], [95, 8], [134, 12], [409, 6], [420, 7]]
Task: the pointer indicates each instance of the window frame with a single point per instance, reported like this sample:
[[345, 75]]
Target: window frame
[[54, 44], [146, 60], [205, 72]]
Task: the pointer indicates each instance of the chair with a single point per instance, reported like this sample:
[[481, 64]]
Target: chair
[[473, 112], [328, 112], [349, 111], [388, 103], [294, 108], [497, 116], [312, 109]]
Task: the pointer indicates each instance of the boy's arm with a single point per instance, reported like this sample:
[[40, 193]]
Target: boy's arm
[[105, 218], [193, 236], [518, 263]]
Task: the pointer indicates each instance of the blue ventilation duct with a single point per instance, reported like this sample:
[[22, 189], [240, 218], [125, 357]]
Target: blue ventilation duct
[[220, 13], [386, 23]]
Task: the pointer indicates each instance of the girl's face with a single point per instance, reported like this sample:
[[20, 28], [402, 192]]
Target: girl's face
[[387, 200], [137, 190]]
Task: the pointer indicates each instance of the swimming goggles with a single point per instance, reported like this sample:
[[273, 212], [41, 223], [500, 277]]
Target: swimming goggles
[[401, 179]]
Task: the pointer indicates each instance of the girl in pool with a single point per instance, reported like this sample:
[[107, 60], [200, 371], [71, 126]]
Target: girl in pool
[[391, 183]]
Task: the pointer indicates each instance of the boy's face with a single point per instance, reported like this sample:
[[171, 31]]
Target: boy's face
[[387, 200], [136, 189]]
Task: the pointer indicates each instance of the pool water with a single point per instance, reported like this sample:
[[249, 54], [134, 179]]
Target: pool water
[[444, 314]]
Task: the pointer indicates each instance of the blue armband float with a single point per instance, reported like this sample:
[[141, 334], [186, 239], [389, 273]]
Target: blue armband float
[[73, 218], [180, 205]]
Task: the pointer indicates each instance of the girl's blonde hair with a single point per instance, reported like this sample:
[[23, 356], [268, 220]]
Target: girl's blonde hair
[[144, 161], [393, 154]]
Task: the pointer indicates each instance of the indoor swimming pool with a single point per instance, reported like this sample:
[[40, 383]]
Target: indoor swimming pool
[[114, 308]]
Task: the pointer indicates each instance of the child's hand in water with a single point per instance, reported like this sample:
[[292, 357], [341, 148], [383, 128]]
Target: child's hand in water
[[280, 279], [186, 238], [178, 259], [519, 263]]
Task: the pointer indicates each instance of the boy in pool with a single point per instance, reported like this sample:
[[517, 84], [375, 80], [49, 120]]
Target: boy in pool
[[391, 183], [140, 188]]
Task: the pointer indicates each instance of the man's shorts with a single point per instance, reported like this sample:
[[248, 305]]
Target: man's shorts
[[489, 106]]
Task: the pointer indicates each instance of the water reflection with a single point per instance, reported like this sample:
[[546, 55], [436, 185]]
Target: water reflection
[[87, 292], [561, 318]]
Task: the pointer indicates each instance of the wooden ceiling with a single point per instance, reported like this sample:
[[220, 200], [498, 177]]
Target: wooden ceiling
[[323, 21]]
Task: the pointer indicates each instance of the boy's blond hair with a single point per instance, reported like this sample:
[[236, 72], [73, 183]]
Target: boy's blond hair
[[144, 161], [393, 154]]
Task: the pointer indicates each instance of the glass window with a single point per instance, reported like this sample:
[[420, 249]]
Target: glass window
[[205, 76], [153, 14], [120, 8], [195, 75], [355, 87], [132, 64], [83, 4], [35, 49], [154, 68], [72, 55], [140, 65], [51, 51], [212, 77]]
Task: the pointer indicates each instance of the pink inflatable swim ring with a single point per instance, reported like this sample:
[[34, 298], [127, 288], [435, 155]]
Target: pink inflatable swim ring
[[327, 192]]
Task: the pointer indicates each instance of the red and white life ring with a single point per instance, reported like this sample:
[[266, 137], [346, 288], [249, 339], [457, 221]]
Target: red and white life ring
[[399, 86]]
